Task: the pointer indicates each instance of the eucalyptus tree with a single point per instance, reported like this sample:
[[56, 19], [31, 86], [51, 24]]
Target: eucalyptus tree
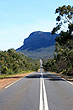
[[64, 42]]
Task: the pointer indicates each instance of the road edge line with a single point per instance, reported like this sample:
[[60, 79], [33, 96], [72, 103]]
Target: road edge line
[[67, 81], [63, 79], [15, 82]]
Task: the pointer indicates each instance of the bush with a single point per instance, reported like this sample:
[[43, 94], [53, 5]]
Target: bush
[[13, 62], [10, 72], [4, 70]]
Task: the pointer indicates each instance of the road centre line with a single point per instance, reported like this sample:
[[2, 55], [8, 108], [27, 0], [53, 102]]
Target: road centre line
[[41, 94], [43, 97]]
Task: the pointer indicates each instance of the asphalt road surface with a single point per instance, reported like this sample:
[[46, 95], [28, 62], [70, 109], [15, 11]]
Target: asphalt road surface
[[38, 91]]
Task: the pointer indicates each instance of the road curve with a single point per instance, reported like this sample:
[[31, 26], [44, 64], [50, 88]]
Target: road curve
[[38, 91]]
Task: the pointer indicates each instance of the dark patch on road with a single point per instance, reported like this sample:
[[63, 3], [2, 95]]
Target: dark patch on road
[[50, 77], [36, 75]]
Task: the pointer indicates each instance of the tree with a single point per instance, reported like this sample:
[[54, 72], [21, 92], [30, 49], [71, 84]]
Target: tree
[[65, 16], [64, 42], [12, 62]]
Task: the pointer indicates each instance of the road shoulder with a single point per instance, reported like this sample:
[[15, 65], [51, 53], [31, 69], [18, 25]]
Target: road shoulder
[[6, 81], [68, 78]]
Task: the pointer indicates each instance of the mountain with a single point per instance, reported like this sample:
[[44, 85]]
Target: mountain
[[39, 45]]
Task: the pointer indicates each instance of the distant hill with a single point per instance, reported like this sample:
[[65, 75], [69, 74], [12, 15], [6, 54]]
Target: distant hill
[[39, 45]]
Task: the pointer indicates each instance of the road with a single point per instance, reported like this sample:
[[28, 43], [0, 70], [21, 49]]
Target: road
[[38, 91]]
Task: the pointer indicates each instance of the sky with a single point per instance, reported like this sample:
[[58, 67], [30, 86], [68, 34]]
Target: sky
[[19, 18]]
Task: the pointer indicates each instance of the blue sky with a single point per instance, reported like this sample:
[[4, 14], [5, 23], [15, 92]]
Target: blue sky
[[19, 18]]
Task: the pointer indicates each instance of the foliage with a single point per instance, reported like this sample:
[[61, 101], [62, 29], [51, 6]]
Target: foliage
[[49, 65], [39, 53], [4, 69], [12, 62], [63, 56], [65, 14]]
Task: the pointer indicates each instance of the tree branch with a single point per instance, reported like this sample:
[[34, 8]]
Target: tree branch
[[67, 19]]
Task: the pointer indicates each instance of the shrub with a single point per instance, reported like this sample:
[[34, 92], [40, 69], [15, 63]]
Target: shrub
[[4, 70]]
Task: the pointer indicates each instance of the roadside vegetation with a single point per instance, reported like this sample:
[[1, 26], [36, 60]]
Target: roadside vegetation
[[63, 55], [12, 62]]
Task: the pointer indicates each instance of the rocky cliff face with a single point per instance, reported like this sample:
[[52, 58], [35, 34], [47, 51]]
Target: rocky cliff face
[[37, 43]]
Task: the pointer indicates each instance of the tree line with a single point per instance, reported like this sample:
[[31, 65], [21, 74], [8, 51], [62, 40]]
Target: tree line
[[12, 62], [63, 55]]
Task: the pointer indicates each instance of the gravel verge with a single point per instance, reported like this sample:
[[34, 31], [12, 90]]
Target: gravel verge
[[8, 80]]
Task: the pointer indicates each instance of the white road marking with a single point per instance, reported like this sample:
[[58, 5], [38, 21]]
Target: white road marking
[[43, 97], [67, 81], [12, 83], [70, 82], [41, 94]]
